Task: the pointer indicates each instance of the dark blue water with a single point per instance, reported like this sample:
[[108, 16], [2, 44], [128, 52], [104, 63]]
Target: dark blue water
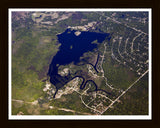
[[71, 49]]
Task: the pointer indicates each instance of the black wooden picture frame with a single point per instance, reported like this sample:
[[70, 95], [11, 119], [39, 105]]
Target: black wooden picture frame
[[153, 4]]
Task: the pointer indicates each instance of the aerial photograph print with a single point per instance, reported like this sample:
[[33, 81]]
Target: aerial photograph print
[[79, 63]]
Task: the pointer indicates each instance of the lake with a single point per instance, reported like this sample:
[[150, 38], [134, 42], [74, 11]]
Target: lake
[[73, 46]]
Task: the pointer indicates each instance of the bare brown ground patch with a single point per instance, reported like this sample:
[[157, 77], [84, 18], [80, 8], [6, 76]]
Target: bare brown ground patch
[[17, 104]]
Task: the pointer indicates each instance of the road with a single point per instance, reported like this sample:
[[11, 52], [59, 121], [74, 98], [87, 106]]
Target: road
[[70, 110], [88, 106], [125, 91], [133, 41], [22, 101], [124, 24]]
